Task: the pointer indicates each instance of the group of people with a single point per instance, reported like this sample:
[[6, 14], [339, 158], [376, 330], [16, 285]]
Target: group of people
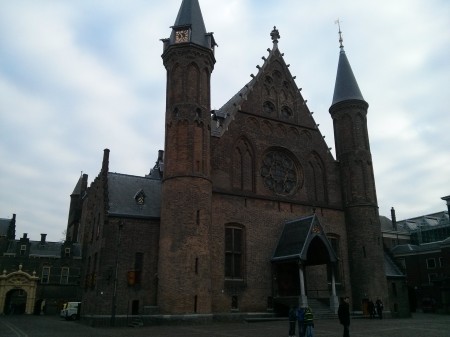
[[304, 318], [375, 308]]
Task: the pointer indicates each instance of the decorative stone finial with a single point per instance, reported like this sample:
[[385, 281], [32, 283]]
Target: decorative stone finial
[[20, 266], [275, 34]]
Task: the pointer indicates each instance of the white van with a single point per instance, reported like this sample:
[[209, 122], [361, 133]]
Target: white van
[[70, 310]]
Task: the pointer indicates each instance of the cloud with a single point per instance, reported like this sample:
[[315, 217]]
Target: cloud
[[80, 76]]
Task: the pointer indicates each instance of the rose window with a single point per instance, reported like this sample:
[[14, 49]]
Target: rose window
[[279, 173]]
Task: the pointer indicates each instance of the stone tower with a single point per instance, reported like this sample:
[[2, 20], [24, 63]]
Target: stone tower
[[184, 267], [365, 247]]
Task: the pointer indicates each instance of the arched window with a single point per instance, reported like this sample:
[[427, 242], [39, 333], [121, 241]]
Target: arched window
[[234, 252], [243, 166]]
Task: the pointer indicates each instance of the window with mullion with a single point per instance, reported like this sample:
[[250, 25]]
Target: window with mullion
[[45, 275], [64, 275], [233, 253]]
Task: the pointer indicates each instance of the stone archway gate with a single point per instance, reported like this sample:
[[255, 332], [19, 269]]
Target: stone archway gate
[[18, 280]]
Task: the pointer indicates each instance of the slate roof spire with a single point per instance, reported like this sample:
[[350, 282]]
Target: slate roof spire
[[190, 17], [346, 87]]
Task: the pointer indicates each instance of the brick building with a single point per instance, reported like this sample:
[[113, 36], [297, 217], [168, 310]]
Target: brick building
[[37, 275], [246, 210], [424, 259]]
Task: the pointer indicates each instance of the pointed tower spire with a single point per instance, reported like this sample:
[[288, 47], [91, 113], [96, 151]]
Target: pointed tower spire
[[359, 198], [189, 27], [346, 87]]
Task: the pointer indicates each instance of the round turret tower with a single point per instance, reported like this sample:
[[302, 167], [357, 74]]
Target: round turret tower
[[365, 244], [184, 267]]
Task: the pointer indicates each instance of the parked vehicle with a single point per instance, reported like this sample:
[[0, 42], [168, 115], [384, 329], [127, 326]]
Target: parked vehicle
[[70, 311]]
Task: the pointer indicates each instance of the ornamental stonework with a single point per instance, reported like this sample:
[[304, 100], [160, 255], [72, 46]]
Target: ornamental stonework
[[280, 173]]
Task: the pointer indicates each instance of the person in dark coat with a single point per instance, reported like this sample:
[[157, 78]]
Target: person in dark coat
[[380, 308], [292, 321], [371, 308], [344, 315], [308, 323], [301, 321]]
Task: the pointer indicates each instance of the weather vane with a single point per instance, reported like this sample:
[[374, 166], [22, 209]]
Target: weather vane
[[338, 22]]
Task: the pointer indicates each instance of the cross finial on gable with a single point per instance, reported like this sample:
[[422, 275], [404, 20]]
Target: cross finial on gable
[[275, 34]]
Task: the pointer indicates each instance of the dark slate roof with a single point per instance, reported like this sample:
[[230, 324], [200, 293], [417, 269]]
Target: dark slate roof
[[386, 223], [296, 237], [386, 226], [409, 249], [405, 249], [190, 15], [4, 226], [445, 242], [48, 249], [123, 190], [346, 87], [424, 222], [390, 268], [77, 189]]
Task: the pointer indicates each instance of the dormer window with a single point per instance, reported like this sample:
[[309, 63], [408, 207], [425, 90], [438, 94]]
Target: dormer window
[[140, 197]]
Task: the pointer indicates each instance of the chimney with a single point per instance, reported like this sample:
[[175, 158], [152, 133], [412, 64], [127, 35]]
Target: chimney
[[393, 218], [105, 164], [447, 198], [84, 183], [43, 236], [25, 235]]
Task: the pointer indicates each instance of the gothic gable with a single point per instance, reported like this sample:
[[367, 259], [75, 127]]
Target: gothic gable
[[272, 93], [266, 142]]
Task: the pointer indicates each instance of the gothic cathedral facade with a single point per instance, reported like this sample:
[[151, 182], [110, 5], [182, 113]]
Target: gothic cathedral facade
[[246, 209]]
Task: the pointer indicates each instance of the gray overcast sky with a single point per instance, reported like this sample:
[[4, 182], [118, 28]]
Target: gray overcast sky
[[80, 76]]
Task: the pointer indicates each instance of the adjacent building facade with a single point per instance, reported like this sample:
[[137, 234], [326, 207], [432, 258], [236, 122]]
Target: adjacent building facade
[[38, 276], [424, 259]]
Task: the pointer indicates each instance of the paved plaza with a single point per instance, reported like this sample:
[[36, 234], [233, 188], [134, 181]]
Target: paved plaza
[[420, 325]]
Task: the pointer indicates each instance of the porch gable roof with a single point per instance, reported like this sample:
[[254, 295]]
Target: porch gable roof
[[296, 238]]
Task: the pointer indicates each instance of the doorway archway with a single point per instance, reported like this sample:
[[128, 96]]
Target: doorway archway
[[17, 292]]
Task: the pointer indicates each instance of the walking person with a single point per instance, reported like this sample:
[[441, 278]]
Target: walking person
[[292, 321], [380, 308], [371, 308], [301, 321], [344, 315], [308, 323]]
